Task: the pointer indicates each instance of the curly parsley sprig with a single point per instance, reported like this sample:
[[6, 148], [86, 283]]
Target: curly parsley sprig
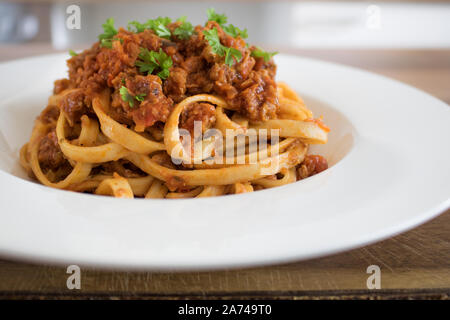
[[128, 97], [260, 53], [184, 31], [231, 54], [235, 31], [214, 41], [222, 19], [152, 60], [109, 31], [136, 26], [158, 25]]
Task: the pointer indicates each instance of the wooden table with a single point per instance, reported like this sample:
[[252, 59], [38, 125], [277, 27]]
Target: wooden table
[[415, 264]]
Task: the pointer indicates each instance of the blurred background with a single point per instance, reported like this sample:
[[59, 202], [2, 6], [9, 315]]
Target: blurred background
[[408, 40], [280, 24]]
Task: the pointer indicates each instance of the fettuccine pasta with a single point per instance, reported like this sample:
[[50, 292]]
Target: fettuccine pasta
[[194, 112]]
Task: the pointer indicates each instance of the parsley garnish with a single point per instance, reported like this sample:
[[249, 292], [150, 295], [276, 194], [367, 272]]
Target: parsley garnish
[[139, 27], [221, 19], [72, 53], [161, 30], [235, 31], [107, 36], [128, 97], [260, 53], [158, 25], [214, 41], [152, 60], [163, 20], [140, 97], [230, 53], [184, 31]]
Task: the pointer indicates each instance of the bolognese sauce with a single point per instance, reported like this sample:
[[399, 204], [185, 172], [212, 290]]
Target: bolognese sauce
[[147, 70]]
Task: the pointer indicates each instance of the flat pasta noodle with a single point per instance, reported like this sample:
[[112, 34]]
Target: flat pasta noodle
[[212, 191], [306, 131], [183, 195], [221, 176], [241, 187], [157, 190], [116, 186], [260, 154], [94, 154], [102, 141], [289, 176], [171, 131], [139, 185], [79, 172], [120, 134], [224, 123]]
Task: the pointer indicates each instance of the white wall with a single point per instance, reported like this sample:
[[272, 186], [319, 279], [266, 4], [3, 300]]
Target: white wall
[[277, 23]]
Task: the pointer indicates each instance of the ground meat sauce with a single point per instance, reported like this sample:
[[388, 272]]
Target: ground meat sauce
[[50, 155], [143, 96], [73, 105], [248, 85], [203, 112], [311, 165], [49, 115], [123, 168]]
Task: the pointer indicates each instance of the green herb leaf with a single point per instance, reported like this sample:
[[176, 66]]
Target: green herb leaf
[[139, 27], [107, 43], [152, 60], [108, 33], [126, 96], [231, 54], [260, 53], [163, 20], [148, 63], [184, 31], [182, 19], [72, 53], [162, 31], [140, 97], [213, 39], [235, 31], [158, 25], [221, 19]]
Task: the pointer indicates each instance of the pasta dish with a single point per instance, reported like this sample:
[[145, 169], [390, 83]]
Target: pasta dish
[[165, 109]]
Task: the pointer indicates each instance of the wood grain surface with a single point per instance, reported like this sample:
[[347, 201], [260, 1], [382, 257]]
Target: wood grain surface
[[415, 264]]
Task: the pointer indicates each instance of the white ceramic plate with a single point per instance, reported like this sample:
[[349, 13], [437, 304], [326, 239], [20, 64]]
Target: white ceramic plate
[[389, 151]]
